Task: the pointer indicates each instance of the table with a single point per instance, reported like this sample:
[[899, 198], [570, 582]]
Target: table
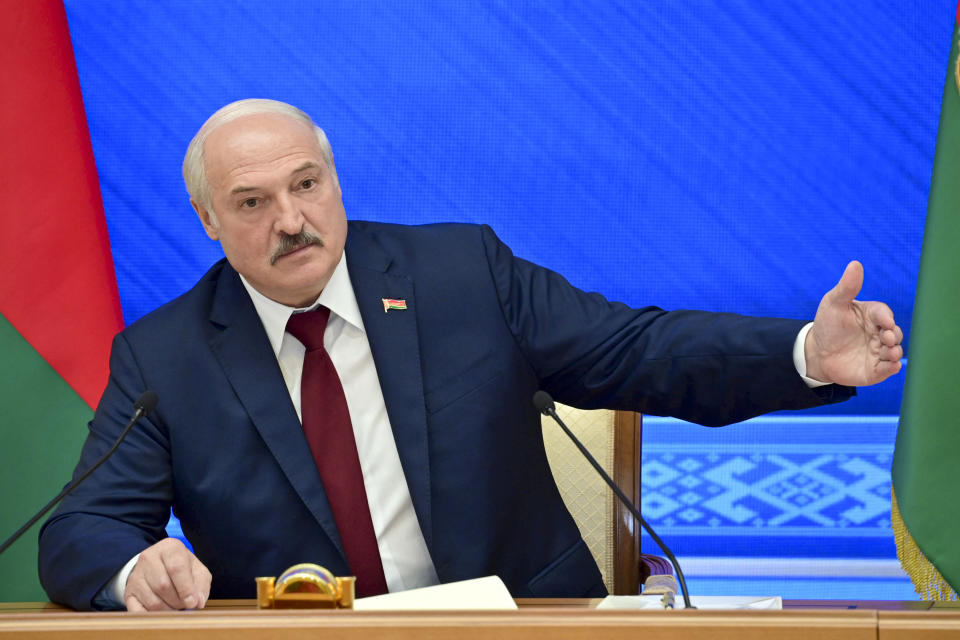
[[547, 619]]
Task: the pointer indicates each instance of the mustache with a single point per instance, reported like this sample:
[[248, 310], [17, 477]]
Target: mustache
[[289, 243]]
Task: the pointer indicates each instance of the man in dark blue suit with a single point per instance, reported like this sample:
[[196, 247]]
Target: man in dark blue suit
[[440, 336]]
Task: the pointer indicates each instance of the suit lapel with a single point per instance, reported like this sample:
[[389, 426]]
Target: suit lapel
[[396, 353], [249, 363]]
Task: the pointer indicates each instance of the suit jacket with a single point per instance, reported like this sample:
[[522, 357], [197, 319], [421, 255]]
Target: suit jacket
[[482, 332]]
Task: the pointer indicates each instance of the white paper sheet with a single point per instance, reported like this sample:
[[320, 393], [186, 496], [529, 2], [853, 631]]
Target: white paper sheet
[[700, 602], [487, 593]]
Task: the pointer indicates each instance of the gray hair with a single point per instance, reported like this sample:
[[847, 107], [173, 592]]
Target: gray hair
[[194, 169]]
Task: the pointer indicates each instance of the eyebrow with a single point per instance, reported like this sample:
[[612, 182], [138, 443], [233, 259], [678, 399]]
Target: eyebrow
[[309, 164]]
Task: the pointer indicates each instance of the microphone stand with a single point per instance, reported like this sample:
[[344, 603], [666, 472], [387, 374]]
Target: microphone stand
[[544, 403]]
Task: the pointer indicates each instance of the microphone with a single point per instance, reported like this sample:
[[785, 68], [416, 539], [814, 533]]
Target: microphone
[[146, 403], [544, 404]]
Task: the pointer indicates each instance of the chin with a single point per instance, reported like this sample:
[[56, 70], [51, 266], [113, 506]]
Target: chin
[[310, 281]]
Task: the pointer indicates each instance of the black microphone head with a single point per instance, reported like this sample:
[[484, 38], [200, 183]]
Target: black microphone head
[[543, 402], [146, 403]]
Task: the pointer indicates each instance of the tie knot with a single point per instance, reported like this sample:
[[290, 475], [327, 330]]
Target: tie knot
[[308, 327]]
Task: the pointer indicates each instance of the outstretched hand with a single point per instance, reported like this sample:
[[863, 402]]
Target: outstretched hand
[[852, 343]]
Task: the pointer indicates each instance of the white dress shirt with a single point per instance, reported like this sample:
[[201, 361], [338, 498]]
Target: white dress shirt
[[800, 357]]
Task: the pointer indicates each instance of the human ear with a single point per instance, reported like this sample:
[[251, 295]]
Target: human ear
[[208, 219]]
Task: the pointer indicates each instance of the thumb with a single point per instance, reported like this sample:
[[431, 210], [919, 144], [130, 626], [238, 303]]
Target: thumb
[[849, 286]]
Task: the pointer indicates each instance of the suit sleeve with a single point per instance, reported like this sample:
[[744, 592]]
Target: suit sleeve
[[122, 508], [708, 368]]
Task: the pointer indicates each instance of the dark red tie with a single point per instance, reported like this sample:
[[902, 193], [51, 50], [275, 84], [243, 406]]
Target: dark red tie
[[326, 423]]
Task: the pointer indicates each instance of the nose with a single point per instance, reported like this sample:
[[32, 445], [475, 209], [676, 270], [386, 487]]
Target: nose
[[289, 218]]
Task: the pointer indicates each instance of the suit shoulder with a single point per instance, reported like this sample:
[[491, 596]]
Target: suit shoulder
[[193, 303], [434, 242], [435, 231]]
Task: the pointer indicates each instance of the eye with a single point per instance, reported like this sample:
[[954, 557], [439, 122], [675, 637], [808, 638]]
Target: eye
[[249, 203], [308, 183]]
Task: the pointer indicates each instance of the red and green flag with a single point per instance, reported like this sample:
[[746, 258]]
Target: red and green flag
[[926, 512], [59, 306], [393, 303]]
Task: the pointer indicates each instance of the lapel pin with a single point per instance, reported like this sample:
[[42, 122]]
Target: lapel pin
[[390, 303]]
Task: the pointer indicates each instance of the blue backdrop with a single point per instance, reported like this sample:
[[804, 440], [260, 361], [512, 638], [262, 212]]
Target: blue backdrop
[[717, 155]]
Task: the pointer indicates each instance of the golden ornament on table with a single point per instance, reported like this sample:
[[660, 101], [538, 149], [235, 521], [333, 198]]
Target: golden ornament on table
[[305, 586]]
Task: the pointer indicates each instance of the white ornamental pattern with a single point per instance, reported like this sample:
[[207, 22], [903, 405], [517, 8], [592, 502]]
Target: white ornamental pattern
[[789, 489]]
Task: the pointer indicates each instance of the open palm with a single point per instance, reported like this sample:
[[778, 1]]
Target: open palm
[[852, 342]]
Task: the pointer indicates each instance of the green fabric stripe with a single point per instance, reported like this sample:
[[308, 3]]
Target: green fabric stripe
[[927, 458], [42, 427]]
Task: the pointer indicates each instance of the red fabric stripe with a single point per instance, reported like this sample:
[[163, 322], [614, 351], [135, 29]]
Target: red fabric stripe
[[57, 284], [329, 433]]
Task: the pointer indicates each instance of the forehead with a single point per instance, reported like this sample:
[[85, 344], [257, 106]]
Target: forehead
[[256, 146]]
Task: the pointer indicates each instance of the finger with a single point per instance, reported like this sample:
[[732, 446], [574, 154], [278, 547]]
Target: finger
[[202, 579], [881, 371], [849, 285], [133, 604], [889, 338], [886, 369], [890, 354], [177, 565], [149, 600], [880, 315], [158, 584]]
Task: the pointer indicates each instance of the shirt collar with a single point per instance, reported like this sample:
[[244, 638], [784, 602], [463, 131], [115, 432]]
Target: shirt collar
[[338, 296]]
